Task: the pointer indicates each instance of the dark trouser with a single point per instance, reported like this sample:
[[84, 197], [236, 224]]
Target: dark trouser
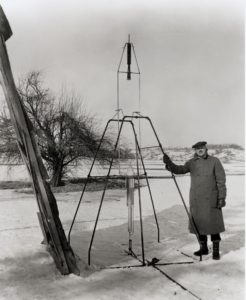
[[214, 237]]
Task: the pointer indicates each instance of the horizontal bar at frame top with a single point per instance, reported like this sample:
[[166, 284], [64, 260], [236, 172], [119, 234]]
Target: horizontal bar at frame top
[[130, 176]]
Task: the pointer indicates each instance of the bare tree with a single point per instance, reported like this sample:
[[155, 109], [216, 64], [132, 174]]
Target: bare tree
[[64, 130], [8, 145]]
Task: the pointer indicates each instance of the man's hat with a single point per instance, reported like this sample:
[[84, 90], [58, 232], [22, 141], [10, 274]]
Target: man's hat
[[199, 144]]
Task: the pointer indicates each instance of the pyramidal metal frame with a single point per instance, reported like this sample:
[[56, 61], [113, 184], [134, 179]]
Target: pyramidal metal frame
[[138, 176]]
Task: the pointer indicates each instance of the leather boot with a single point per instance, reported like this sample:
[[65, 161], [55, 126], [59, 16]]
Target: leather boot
[[216, 250], [203, 249]]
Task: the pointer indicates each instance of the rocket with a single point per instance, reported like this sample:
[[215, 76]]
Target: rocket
[[129, 58]]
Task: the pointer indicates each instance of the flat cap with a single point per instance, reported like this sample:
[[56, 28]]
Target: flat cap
[[199, 144]]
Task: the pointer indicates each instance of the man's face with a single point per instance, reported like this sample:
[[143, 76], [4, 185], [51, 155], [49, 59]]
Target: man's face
[[200, 151]]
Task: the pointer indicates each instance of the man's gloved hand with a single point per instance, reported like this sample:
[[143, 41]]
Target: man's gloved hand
[[221, 203], [166, 159]]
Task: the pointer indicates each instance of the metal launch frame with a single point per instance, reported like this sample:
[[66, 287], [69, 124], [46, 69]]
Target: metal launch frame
[[138, 176], [130, 179]]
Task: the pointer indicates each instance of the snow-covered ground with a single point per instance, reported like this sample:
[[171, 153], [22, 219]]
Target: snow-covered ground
[[27, 271]]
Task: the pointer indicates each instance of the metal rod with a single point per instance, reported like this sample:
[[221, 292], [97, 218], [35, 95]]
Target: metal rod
[[118, 98], [118, 85], [140, 204], [139, 93], [75, 215], [146, 177], [88, 176], [102, 198], [139, 108], [118, 114], [130, 204], [135, 57], [118, 70], [192, 221], [153, 206]]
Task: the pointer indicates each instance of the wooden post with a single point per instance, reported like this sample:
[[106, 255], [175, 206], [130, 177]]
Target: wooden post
[[55, 236]]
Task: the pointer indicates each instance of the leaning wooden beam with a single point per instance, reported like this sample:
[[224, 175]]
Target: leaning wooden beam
[[49, 219]]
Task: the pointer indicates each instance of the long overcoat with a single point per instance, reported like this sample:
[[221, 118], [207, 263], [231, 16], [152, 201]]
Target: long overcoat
[[207, 186]]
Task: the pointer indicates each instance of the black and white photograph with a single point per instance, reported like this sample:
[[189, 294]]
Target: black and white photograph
[[122, 150]]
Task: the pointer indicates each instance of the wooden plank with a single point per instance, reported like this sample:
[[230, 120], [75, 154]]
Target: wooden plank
[[41, 223], [58, 245]]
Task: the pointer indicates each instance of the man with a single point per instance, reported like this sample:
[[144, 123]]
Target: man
[[207, 195]]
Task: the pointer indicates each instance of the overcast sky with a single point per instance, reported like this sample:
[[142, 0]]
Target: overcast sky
[[190, 54]]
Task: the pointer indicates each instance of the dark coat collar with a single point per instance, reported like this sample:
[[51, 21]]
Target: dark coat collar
[[203, 157]]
